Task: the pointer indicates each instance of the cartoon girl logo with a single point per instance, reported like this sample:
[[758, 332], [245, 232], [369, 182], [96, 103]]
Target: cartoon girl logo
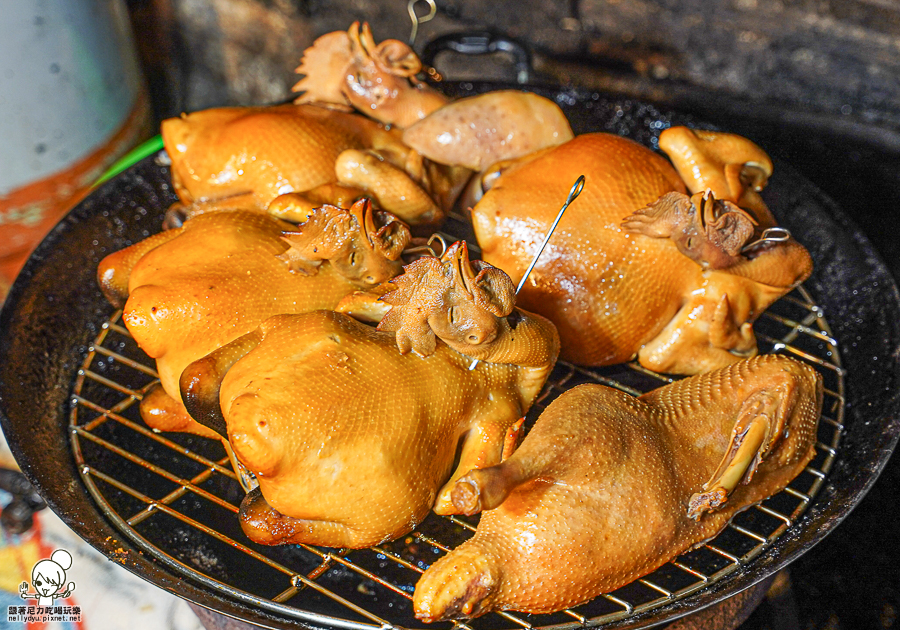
[[48, 578]]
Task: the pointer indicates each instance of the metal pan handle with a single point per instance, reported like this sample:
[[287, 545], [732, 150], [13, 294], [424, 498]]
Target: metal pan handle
[[481, 43]]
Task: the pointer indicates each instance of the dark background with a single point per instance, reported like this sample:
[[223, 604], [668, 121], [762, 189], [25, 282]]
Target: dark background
[[816, 83]]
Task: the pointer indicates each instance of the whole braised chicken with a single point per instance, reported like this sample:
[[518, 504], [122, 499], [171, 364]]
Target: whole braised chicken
[[257, 153], [606, 487], [352, 431], [321, 146], [638, 267], [190, 290]]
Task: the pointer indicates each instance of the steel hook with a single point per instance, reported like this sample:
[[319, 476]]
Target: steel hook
[[416, 20], [428, 246], [769, 235]]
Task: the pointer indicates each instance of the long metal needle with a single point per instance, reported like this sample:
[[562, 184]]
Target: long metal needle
[[576, 189], [573, 193]]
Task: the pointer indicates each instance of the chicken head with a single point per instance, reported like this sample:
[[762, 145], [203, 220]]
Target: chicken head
[[348, 69], [363, 245], [729, 165]]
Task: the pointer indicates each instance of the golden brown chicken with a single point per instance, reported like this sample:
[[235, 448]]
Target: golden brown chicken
[[258, 153], [637, 267], [351, 440], [607, 487], [320, 146], [193, 289], [333, 145]]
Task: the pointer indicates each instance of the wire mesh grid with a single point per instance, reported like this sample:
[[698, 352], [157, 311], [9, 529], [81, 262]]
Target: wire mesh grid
[[176, 497]]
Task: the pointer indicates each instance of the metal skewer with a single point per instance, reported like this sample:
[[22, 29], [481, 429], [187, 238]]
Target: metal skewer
[[576, 189], [573, 193]]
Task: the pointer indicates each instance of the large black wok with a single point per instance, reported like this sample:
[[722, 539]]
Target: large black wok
[[55, 312]]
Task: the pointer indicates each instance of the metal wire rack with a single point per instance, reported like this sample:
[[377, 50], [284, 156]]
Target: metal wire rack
[[176, 498]]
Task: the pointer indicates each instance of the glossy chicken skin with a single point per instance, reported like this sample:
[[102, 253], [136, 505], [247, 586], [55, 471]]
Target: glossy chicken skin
[[731, 166], [352, 431], [607, 487], [258, 153], [333, 145], [620, 284], [193, 289]]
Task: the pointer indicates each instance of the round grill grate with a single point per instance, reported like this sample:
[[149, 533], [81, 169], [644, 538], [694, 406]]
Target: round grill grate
[[176, 498]]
